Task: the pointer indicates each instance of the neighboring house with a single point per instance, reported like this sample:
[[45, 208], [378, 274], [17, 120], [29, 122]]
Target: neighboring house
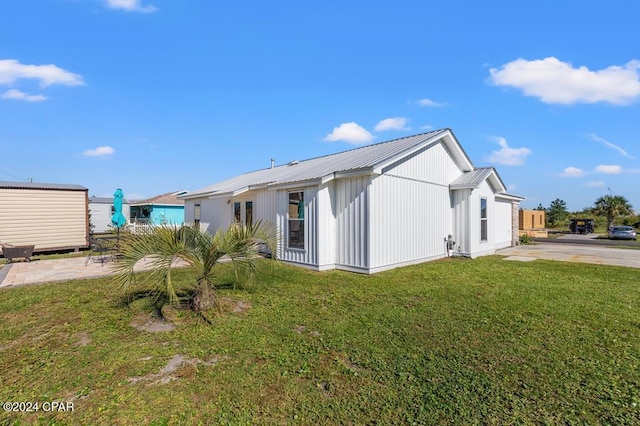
[[101, 210], [371, 208], [532, 223], [164, 209], [49, 216]]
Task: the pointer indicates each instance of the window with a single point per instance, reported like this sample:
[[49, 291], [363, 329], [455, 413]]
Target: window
[[196, 214], [483, 219], [236, 212], [296, 220], [248, 213]]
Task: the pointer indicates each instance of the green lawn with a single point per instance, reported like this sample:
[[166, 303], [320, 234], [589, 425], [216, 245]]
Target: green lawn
[[483, 341]]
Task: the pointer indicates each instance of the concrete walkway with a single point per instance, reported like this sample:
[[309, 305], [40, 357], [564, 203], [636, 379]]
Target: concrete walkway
[[597, 254]]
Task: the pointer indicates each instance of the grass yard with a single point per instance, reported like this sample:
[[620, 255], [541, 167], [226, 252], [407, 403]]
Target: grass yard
[[482, 341]]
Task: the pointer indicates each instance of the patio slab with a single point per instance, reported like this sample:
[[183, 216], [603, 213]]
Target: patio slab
[[51, 270]]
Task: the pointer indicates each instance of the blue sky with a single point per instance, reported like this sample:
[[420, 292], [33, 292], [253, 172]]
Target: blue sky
[[155, 95]]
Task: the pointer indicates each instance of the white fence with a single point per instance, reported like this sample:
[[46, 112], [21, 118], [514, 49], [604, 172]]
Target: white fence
[[140, 228]]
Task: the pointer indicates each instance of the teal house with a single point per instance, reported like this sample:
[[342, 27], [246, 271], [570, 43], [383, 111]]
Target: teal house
[[164, 209]]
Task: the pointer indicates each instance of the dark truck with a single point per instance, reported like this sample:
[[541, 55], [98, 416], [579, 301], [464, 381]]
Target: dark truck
[[581, 226]]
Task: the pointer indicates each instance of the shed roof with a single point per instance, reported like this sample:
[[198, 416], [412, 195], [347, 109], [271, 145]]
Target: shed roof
[[45, 186], [363, 160]]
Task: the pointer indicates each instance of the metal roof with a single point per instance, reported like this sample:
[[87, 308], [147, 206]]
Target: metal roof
[[366, 159], [474, 178], [167, 199], [104, 200], [46, 186]]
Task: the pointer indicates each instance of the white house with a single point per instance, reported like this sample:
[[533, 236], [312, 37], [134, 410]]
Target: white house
[[101, 210], [371, 208]]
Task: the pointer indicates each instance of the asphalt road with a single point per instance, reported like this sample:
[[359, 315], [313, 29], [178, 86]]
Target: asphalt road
[[593, 239]]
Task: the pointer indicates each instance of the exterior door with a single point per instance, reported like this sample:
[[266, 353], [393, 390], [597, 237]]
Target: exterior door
[[243, 211]]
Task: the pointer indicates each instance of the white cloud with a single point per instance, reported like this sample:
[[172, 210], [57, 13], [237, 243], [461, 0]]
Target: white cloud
[[557, 82], [130, 6], [395, 123], [351, 133], [597, 184], [11, 70], [18, 95], [426, 127], [100, 151], [609, 169], [572, 172], [508, 156], [429, 103], [597, 138]]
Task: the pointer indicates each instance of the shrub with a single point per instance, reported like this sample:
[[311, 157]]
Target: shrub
[[526, 239]]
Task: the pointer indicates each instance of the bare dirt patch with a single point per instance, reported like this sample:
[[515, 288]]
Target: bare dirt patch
[[151, 325], [173, 369], [233, 306], [83, 338]]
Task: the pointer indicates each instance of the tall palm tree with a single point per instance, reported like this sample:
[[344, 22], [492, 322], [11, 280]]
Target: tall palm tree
[[612, 206], [166, 248]]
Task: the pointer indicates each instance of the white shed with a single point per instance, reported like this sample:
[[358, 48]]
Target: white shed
[[371, 208], [49, 216], [101, 210]]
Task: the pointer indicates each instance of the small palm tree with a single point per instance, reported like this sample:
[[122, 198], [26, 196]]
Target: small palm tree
[[612, 206], [166, 248]]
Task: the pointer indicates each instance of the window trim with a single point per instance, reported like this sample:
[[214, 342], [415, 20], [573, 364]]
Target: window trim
[[296, 219], [484, 222]]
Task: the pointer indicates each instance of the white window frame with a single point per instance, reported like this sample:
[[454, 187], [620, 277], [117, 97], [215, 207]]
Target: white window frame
[[484, 222], [300, 222]]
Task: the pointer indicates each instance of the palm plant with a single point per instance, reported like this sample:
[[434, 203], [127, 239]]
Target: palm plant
[[166, 248], [612, 206]]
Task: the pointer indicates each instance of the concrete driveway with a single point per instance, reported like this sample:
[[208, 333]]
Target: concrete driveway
[[577, 252]]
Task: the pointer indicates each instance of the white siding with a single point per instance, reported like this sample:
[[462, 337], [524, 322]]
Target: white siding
[[352, 223], [503, 224], [308, 255], [49, 219], [461, 203], [326, 212], [101, 215], [409, 221], [478, 247], [434, 165], [215, 214]]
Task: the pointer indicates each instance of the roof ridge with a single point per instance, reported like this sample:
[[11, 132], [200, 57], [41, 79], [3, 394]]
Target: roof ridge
[[352, 149]]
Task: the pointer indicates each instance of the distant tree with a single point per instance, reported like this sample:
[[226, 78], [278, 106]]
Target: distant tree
[[612, 206], [540, 207], [557, 211]]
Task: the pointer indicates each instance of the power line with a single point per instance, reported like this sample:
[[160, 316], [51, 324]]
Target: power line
[[17, 177]]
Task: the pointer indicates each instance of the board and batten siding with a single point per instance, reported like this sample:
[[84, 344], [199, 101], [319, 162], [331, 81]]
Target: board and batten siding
[[478, 247], [411, 209], [49, 219], [309, 255], [461, 206], [409, 221], [503, 223], [352, 223], [432, 164]]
